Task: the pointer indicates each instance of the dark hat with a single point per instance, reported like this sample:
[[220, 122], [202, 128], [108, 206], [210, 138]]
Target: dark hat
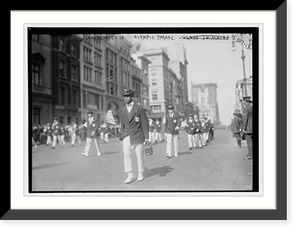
[[55, 119], [90, 112], [127, 92], [170, 107], [246, 97]]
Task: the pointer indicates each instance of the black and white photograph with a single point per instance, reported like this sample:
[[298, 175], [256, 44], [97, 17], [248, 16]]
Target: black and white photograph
[[143, 110]]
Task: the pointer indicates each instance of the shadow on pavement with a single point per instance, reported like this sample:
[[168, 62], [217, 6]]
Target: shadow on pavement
[[185, 153], [109, 152], [160, 171], [48, 166]]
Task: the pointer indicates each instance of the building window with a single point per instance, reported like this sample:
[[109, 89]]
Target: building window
[[61, 44], [87, 54], [98, 78], [154, 96], [62, 68], [153, 72], [92, 101], [74, 98], [74, 73], [84, 99], [101, 103], [97, 58], [36, 116], [87, 74], [36, 78], [155, 108], [154, 82], [73, 50], [62, 94]]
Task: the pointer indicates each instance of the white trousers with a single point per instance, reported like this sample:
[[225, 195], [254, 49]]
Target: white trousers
[[151, 137], [197, 140], [171, 138], [190, 140], [204, 137], [157, 136], [55, 138], [49, 140], [88, 145], [73, 138], [139, 152]]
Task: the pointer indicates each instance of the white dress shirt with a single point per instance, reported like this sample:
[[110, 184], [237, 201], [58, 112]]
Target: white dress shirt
[[129, 106]]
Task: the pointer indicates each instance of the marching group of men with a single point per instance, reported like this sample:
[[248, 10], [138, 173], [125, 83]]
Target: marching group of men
[[241, 126], [137, 131], [50, 134]]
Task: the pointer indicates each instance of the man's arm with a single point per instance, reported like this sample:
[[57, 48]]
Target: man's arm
[[145, 122]]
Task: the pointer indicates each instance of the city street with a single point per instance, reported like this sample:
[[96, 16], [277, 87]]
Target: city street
[[217, 166]]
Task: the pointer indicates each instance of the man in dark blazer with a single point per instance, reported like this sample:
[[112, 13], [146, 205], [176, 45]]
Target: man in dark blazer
[[91, 127], [172, 127], [134, 133], [247, 125]]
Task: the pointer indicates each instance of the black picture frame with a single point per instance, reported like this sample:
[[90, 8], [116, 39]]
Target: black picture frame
[[280, 213]]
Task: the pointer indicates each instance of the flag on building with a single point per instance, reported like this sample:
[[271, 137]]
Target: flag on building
[[110, 118]]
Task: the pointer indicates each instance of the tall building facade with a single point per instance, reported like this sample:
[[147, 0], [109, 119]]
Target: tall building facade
[[178, 63], [204, 95], [159, 80], [143, 63], [92, 72], [66, 77], [41, 79], [118, 73]]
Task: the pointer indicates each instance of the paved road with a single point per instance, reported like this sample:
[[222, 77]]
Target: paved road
[[218, 166]]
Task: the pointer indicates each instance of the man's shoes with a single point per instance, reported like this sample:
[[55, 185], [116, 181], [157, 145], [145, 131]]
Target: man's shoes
[[190, 148], [169, 157], [176, 155], [129, 178], [85, 154], [140, 177], [98, 154]]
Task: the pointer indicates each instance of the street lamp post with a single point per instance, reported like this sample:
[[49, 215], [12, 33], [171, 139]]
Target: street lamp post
[[233, 49]]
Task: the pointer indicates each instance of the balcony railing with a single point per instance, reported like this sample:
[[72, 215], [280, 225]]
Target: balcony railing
[[41, 88]]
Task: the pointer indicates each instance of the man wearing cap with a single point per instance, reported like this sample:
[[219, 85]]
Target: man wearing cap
[[91, 127], [172, 127], [236, 127], [56, 132], [134, 128], [247, 125]]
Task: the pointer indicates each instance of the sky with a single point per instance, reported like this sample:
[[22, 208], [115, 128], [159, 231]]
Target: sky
[[211, 61]]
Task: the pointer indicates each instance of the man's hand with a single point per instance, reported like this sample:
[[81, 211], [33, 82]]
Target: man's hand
[[177, 128], [92, 133], [146, 142]]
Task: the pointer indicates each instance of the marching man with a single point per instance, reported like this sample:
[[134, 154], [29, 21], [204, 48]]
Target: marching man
[[151, 130], [56, 133], [172, 127], [134, 134], [48, 133], [91, 127], [190, 130]]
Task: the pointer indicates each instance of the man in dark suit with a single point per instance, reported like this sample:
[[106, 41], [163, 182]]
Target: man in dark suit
[[172, 127], [247, 125], [134, 133], [91, 127]]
